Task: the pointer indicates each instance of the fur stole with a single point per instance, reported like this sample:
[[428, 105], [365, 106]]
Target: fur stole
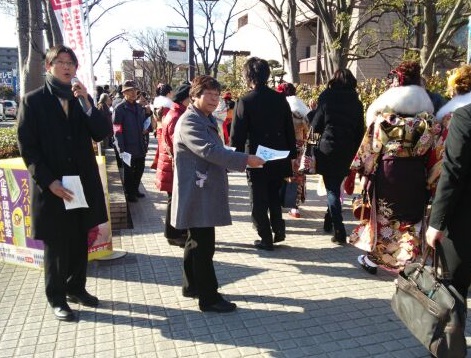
[[403, 99], [456, 102]]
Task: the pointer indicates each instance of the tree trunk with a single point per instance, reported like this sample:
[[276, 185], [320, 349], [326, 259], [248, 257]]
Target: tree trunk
[[429, 34], [53, 30], [292, 42], [34, 65], [23, 40]]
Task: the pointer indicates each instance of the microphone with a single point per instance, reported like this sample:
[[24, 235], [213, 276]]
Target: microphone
[[75, 81]]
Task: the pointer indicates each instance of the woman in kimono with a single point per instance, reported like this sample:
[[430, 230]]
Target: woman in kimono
[[459, 88], [392, 160], [301, 125]]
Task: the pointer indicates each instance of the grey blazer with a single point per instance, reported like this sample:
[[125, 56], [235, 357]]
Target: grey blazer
[[200, 186]]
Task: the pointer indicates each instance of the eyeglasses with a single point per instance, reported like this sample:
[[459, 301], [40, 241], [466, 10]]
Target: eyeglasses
[[64, 63]]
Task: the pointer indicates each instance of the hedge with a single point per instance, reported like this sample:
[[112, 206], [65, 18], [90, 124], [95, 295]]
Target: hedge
[[8, 143]]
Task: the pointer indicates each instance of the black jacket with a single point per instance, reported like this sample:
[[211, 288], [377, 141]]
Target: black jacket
[[52, 146], [263, 117], [128, 124], [451, 210], [339, 118]]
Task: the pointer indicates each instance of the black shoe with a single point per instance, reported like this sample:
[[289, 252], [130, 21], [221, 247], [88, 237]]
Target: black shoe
[[131, 199], [221, 306], [63, 313], [189, 293], [340, 237], [177, 242], [85, 299], [279, 238], [263, 246], [140, 195], [327, 222], [367, 265]]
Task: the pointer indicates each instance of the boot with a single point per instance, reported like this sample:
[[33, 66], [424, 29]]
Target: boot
[[327, 222], [340, 237]]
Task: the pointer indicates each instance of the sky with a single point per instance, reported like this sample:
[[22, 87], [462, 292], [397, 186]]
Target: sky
[[132, 16]]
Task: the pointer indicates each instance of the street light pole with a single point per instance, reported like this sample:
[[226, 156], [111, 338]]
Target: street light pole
[[191, 47]]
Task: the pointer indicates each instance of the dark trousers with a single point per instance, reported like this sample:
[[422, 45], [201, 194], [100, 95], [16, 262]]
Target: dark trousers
[[458, 259], [198, 269], [65, 260], [334, 206], [133, 175], [264, 199], [169, 231]]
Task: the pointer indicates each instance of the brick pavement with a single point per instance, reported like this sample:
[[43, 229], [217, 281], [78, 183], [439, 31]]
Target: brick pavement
[[308, 298]]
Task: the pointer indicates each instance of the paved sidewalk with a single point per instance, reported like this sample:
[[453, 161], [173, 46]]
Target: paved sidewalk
[[308, 298]]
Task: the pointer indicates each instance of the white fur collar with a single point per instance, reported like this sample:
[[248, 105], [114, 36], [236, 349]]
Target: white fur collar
[[162, 101], [456, 102], [404, 100]]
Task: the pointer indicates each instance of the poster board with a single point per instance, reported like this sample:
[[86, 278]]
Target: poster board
[[16, 245]]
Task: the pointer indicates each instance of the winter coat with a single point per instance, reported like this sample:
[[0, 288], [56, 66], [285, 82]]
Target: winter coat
[[339, 119], [128, 125], [53, 145], [263, 117], [200, 186], [164, 175]]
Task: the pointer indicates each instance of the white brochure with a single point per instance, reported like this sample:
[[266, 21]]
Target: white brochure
[[73, 183]]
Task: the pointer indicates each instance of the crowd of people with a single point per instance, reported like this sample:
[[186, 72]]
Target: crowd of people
[[409, 149]]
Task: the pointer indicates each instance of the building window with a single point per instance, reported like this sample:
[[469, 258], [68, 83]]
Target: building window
[[243, 20]]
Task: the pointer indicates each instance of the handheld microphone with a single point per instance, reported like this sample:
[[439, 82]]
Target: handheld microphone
[[75, 81]]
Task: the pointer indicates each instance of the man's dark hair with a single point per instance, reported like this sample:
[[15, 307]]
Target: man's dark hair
[[256, 71], [54, 52], [343, 79]]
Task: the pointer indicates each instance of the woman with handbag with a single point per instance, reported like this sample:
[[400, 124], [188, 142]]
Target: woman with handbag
[[301, 130], [392, 159], [339, 120]]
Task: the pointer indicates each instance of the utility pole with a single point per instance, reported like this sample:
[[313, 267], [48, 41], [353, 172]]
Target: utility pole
[[191, 47], [111, 68]]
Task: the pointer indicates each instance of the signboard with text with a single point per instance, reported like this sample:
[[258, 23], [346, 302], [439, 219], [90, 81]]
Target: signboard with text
[[177, 47], [16, 244]]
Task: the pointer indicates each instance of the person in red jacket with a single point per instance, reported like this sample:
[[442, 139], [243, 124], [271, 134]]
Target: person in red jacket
[[164, 177]]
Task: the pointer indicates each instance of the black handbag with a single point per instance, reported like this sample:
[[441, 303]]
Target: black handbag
[[308, 158], [288, 194], [430, 307]]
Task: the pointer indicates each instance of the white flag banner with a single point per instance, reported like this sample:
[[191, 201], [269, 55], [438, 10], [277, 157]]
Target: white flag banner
[[69, 14], [177, 47]]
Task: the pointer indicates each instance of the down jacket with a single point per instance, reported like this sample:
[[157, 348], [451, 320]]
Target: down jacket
[[164, 176]]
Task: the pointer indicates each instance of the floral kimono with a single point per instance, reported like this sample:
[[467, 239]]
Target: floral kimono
[[394, 155]]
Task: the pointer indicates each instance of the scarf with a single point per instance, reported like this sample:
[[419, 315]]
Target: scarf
[[58, 88]]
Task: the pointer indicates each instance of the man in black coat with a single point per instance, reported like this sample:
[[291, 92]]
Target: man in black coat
[[263, 117], [55, 133], [451, 210]]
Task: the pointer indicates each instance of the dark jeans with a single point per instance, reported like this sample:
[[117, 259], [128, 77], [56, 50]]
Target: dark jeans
[[334, 206], [198, 268], [264, 198], [133, 175], [65, 260], [169, 231]]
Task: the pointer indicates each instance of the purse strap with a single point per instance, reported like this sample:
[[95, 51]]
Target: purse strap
[[439, 261]]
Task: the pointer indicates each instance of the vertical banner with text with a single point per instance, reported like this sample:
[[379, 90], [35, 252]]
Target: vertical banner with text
[[69, 14]]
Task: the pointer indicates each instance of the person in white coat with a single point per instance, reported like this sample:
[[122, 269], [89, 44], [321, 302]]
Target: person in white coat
[[200, 191]]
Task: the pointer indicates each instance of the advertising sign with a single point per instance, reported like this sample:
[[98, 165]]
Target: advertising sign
[[69, 15], [8, 78], [177, 47], [16, 243]]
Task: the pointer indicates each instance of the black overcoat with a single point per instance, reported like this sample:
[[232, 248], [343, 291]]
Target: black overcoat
[[451, 209], [53, 145], [263, 117], [339, 117]]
